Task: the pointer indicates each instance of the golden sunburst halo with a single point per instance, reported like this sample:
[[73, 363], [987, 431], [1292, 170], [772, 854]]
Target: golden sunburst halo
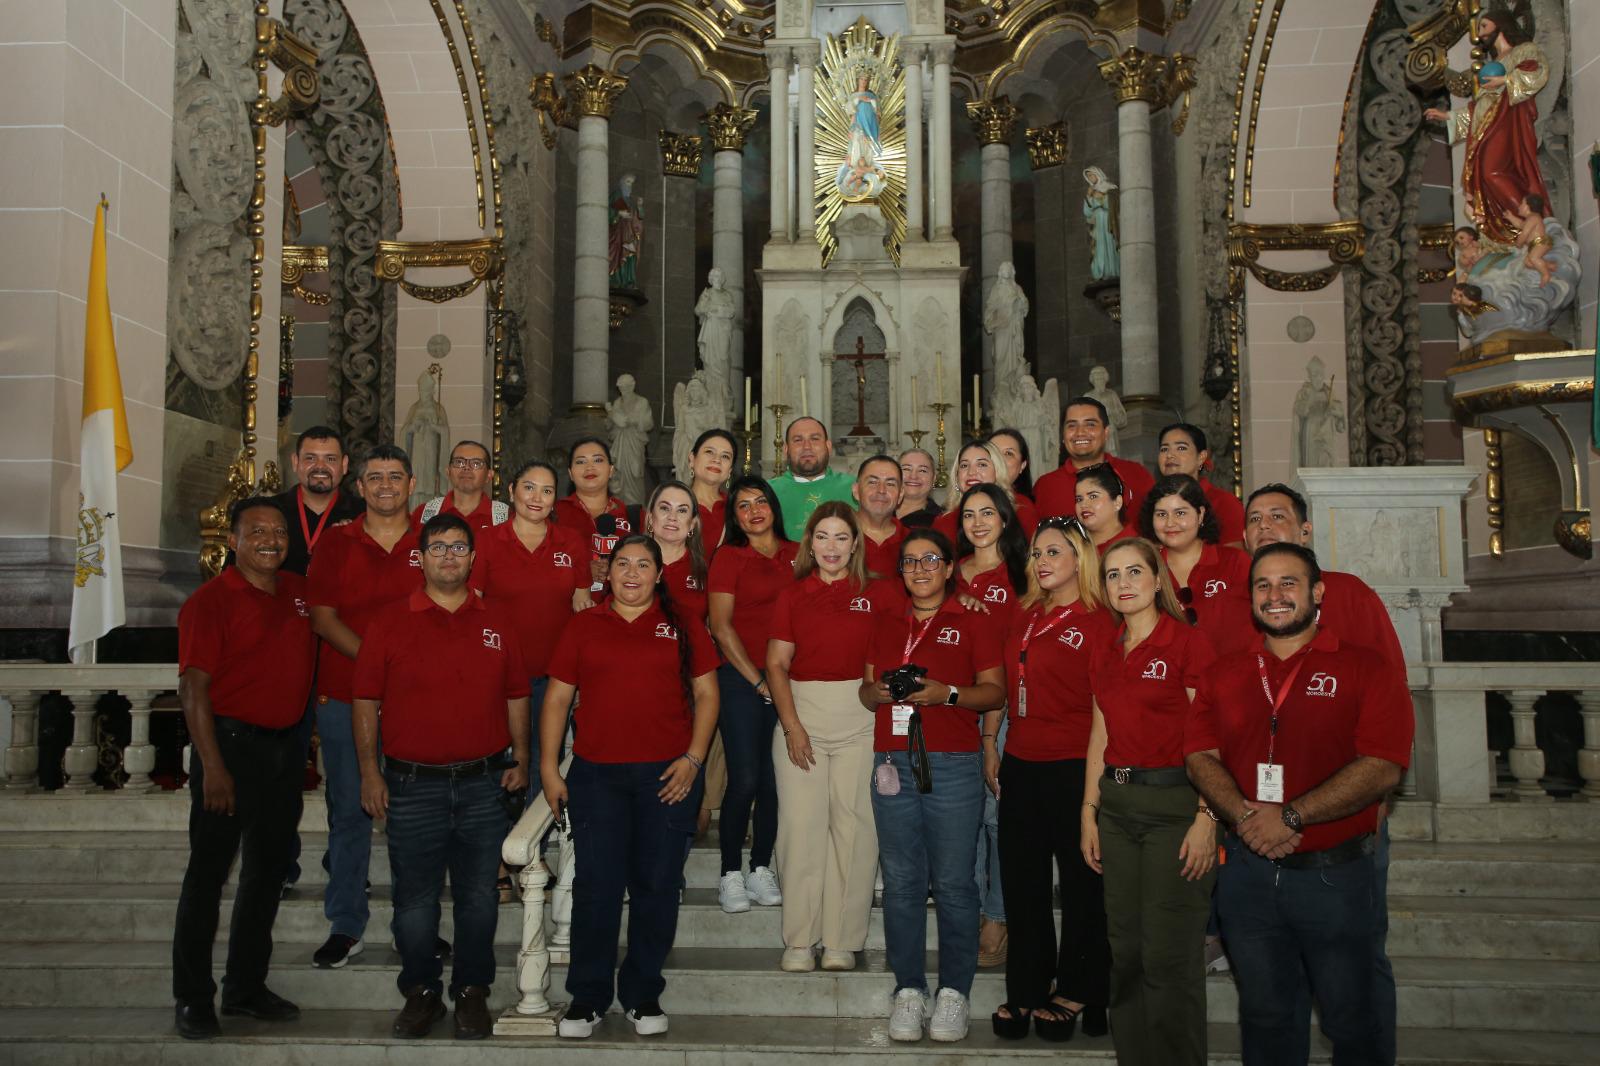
[[852, 167]]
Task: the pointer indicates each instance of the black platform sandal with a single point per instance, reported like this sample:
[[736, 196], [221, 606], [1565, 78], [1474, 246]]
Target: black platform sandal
[[1014, 1027], [1055, 1021]]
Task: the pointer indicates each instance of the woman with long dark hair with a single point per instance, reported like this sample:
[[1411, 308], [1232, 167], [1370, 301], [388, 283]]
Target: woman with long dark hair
[[1212, 582], [632, 789], [1182, 449], [754, 564], [1101, 496], [711, 463], [1014, 450]]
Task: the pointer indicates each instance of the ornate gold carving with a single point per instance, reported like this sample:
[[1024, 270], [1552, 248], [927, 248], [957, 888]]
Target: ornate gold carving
[[1181, 78], [680, 154], [619, 311], [1242, 79], [728, 125], [1047, 145], [1255, 99], [1343, 241], [482, 256], [860, 51], [298, 261], [1494, 492], [545, 30], [466, 104], [1572, 531], [1523, 394], [592, 90], [1137, 75], [1435, 235], [298, 62], [1427, 64], [1349, 100], [993, 120], [549, 106], [488, 116]]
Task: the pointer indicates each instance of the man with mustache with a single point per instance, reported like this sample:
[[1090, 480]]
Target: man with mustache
[[808, 480], [471, 470], [316, 503]]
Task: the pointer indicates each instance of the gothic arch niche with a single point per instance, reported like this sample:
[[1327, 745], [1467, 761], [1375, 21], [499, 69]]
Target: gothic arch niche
[[861, 394]]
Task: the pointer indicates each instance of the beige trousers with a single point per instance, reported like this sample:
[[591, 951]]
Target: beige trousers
[[827, 848], [716, 775]]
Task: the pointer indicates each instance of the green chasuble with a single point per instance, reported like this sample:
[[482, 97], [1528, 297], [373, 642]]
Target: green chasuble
[[800, 498]]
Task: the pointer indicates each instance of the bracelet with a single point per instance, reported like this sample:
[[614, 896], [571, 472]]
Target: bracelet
[[1208, 812], [1245, 817], [696, 763]]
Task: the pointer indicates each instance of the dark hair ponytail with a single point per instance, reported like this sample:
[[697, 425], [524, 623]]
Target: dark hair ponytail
[[664, 601]]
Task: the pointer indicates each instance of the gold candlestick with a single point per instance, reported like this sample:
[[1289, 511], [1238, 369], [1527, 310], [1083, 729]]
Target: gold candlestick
[[916, 436], [778, 411], [939, 410], [748, 435]]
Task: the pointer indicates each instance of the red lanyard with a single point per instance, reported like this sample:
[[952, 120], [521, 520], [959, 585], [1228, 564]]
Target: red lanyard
[[1275, 701], [1027, 638], [305, 527], [913, 638]]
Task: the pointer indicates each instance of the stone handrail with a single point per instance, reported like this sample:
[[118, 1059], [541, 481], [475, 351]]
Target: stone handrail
[[24, 684], [533, 1014]]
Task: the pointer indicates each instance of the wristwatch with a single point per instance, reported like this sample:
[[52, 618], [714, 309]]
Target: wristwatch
[[1291, 818], [955, 696]]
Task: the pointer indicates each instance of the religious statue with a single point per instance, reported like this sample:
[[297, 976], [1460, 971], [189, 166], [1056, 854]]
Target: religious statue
[[717, 312], [1100, 216], [1036, 414], [1100, 389], [1502, 159], [1522, 288], [425, 435], [693, 412], [626, 216], [1003, 315], [859, 177], [631, 422], [1318, 419]]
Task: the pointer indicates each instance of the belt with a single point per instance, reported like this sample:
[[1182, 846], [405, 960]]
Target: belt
[[1349, 851], [1163, 778], [228, 724], [472, 768]]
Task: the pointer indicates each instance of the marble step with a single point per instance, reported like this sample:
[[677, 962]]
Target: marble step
[[1433, 993], [1419, 926], [136, 1037]]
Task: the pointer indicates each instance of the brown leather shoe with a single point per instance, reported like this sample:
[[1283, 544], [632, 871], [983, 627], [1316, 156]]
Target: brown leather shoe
[[423, 1009], [472, 1013]]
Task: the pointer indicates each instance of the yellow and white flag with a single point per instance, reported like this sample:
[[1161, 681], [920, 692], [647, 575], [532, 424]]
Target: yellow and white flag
[[97, 603]]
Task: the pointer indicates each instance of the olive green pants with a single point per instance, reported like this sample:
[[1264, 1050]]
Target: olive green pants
[[1156, 922]]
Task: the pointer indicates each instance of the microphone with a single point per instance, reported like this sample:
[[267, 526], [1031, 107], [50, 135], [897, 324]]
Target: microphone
[[605, 534]]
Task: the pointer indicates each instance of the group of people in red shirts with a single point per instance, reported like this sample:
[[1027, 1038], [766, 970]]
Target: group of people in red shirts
[[892, 687]]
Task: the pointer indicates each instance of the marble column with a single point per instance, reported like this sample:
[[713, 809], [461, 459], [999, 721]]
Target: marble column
[[805, 160], [591, 92], [993, 121], [941, 53], [728, 126], [1139, 79], [916, 196], [1047, 151], [778, 64]]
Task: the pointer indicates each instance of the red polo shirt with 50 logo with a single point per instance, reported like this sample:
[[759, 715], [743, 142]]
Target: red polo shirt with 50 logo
[[354, 575], [1143, 696]]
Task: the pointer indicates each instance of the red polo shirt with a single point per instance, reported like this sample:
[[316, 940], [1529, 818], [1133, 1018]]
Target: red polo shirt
[[442, 679], [1229, 511], [1057, 492], [830, 625], [1343, 702], [955, 645], [1142, 696], [534, 588], [688, 595], [354, 575], [712, 526], [1357, 616], [949, 523], [755, 581], [257, 646], [1060, 705], [1219, 592], [481, 518], [631, 704], [571, 512], [883, 558], [993, 588]]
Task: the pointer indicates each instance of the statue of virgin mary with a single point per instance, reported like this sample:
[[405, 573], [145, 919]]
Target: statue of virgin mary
[[859, 177]]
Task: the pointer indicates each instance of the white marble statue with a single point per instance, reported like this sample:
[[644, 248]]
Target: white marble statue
[[1003, 316], [425, 435], [631, 421], [1117, 415], [717, 313], [1318, 419], [693, 412], [1036, 414], [1099, 215]]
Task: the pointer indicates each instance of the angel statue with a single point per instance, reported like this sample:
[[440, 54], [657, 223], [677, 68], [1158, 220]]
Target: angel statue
[[859, 177]]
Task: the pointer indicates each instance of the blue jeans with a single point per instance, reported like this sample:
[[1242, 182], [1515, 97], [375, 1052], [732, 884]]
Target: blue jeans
[[991, 896], [931, 839], [626, 839], [439, 825], [1297, 934], [747, 722], [344, 903], [1383, 991]]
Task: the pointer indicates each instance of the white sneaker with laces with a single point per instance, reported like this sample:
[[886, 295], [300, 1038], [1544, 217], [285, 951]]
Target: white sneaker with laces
[[910, 1011], [762, 886], [798, 960], [838, 960], [949, 1022], [731, 894]]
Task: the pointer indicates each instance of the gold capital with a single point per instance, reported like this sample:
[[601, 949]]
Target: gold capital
[[680, 154], [1047, 145], [728, 125], [592, 90], [993, 120], [1137, 75]]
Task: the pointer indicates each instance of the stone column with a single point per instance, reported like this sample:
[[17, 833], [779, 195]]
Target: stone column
[[916, 196], [939, 139], [1047, 151], [591, 92], [778, 64], [1139, 79], [805, 160], [728, 126], [993, 121]]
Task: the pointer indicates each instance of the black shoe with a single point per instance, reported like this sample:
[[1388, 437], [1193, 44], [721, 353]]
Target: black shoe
[[1055, 1022], [423, 1009], [1095, 1022], [1014, 1027], [441, 948], [472, 1013], [337, 950], [288, 887], [264, 1005], [196, 1021]]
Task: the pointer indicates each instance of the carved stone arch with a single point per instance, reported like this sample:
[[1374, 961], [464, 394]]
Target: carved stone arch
[[689, 63], [860, 320], [1050, 31]]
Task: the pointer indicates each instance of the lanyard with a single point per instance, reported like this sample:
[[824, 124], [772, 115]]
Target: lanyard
[[305, 527], [1275, 701], [913, 638], [1049, 626]]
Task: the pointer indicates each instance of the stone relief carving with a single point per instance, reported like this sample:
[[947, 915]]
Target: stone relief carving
[[211, 125], [425, 435], [1318, 419], [1389, 545], [210, 274]]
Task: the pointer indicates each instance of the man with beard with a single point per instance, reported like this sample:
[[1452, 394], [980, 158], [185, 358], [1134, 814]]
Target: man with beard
[[877, 497], [808, 480], [1084, 429], [470, 473], [1294, 745], [316, 503]]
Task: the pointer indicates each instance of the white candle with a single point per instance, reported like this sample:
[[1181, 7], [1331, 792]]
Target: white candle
[[977, 408], [915, 407], [938, 387], [747, 418], [805, 398], [776, 392]]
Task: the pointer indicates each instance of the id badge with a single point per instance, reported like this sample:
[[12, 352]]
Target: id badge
[[1022, 699], [901, 722], [1269, 783]]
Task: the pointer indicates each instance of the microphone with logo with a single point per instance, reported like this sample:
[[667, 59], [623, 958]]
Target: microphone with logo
[[604, 542]]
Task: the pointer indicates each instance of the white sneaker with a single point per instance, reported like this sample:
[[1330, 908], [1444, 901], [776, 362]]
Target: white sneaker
[[648, 1019], [838, 960], [762, 886], [731, 894], [1216, 958], [949, 1022], [910, 1011], [798, 960], [577, 1026]]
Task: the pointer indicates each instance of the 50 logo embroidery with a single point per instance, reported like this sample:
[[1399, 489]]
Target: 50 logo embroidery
[[665, 630], [300, 607], [862, 604], [1214, 586], [491, 639], [416, 557], [1155, 670], [1072, 638], [994, 594], [1322, 684], [949, 635], [562, 559]]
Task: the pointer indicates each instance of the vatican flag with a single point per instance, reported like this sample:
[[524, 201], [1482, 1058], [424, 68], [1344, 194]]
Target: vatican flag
[[97, 604]]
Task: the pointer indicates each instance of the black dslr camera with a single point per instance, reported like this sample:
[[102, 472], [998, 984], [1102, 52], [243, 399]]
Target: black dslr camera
[[904, 681]]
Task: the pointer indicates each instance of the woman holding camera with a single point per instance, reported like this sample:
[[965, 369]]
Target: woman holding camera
[[933, 671]]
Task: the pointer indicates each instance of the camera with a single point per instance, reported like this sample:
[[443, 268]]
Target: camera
[[905, 680]]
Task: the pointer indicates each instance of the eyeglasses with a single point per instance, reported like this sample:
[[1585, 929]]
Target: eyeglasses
[[1064, 523], [461, 463], [457, 547], [930, 562], [1186, 598]]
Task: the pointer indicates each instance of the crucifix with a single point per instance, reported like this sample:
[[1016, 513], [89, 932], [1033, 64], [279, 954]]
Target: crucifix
[[858, 359]]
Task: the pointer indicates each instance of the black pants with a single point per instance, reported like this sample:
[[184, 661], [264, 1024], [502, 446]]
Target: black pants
[[268, 775], [1039, 822]]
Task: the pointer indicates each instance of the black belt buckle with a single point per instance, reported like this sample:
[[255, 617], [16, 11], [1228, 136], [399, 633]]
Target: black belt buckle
[[921, 772], [1121, 774]]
